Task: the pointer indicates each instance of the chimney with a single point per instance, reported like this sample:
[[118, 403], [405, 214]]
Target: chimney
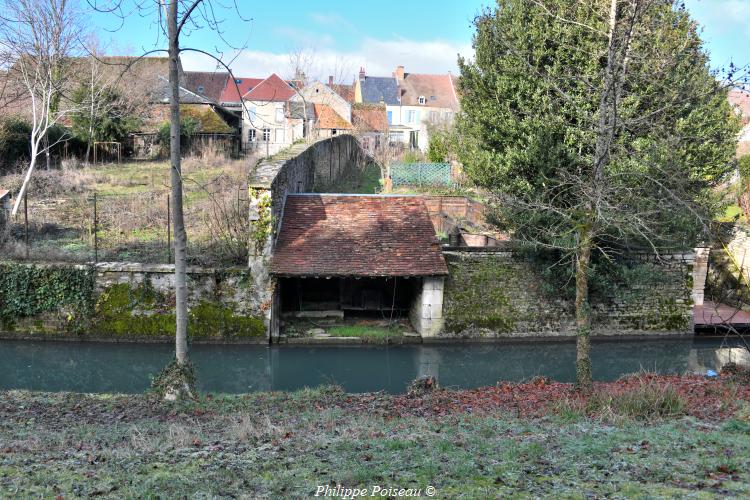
[[399, 73], [361, 73], [330, 80]]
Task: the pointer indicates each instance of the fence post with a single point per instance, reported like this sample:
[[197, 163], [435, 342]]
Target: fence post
[[26, 220], [169, 232], [96, 236]]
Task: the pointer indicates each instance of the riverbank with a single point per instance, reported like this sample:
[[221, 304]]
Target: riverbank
[[662, 436]]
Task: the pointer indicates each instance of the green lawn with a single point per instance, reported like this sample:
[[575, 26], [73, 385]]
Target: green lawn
[[278, 445]]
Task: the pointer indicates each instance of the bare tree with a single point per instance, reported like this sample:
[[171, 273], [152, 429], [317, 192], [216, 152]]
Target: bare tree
[[174, 19], [37, 38]]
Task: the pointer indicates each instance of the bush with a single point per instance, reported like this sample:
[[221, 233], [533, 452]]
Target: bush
[[14, 141], [647, 401], [743, 164]]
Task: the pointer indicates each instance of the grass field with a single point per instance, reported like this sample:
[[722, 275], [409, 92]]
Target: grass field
[[131, 208], [488, 443]]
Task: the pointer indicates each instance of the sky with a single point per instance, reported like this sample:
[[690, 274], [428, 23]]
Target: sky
[[338, 37]]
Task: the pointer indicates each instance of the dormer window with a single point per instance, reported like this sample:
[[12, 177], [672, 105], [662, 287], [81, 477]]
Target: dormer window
[[422, 100], [201, 89], [237, 81]]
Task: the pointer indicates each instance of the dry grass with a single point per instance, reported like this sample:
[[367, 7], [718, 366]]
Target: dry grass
[[132, 200]]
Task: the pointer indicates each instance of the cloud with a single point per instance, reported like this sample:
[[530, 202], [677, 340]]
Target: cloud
[[378, 56], [329, 19]]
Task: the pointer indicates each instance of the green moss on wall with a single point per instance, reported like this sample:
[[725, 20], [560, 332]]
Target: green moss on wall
[[474, 297], [62, 300], [125, 310]]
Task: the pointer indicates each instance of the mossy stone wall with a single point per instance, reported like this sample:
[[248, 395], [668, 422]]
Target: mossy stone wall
[[125, 301], [502, 294]]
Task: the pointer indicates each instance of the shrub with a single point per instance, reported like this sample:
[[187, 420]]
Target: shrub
[[647, 401], [743, 164], [14, 141]]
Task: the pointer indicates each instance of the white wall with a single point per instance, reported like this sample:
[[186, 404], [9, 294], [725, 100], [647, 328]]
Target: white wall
[[417, 118], [271, 116]]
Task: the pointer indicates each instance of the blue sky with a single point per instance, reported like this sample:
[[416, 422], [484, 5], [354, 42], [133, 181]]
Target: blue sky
[[337, 37]]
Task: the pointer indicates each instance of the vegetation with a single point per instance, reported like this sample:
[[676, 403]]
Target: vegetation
[[537, 439], [574, 117], [368, 334], [100, 115]]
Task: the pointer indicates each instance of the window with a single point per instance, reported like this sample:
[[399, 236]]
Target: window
[[434, 116], [433, 98], [201, 89], [251, 135], [253, 113], [411, 116], [396, 137], [333, 131], [266, 134], [280, 135], [279, 115], [422, 100], [390, 117]]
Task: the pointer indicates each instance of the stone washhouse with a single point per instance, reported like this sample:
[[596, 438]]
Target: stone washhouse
[[339, 253]]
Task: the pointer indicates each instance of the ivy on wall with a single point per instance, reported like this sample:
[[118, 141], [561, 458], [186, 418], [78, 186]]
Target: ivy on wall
[[27, 291]]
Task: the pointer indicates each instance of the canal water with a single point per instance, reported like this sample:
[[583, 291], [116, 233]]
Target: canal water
[[128, 368]]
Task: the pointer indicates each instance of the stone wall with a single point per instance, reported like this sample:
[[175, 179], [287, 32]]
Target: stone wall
[[502, 294], [127, 301], [728, 280]]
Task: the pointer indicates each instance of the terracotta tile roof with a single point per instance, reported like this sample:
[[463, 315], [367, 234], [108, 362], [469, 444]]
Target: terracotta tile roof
[[230, 94], [328, 118], [355, 235], [272, 89], [438, 90], [206, 83], [370, 117], [741, 100], [345, 91]]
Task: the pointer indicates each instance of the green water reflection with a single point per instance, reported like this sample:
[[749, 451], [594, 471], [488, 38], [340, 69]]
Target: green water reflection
[[127, 368]]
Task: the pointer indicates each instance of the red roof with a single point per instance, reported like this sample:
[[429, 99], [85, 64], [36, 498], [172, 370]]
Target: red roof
[[740, 99], [230, 94], [437, 90], [370, 117], [356, 235], [272, 89], [3, 193], [328, 118]]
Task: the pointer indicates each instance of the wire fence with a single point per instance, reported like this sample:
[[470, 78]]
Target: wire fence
[[421, 174], [134, 227]]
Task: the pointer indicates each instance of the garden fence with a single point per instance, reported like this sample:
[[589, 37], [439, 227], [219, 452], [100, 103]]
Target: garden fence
[[135, 227], [421, 174]]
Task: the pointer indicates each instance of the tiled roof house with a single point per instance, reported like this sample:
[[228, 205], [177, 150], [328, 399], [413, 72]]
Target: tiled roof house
[[414, 103], [270, 125], [740, 100]]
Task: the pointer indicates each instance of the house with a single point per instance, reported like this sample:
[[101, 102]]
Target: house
[[218, 127], [345, 91], [740, 100], [370, 122], [330, 114], [414, 103], [270, 124]]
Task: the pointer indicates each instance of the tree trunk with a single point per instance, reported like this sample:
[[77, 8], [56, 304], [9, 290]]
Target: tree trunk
[[583, 310], [180, 237]]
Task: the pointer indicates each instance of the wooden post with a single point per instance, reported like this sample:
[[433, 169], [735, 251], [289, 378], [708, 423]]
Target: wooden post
[[96, 236], [26, 220]]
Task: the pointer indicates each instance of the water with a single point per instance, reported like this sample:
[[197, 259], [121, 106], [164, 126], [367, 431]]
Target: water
[[128, 368]]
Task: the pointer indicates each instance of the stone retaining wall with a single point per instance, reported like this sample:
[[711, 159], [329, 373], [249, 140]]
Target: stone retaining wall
[[127, 300], [502, 294]]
